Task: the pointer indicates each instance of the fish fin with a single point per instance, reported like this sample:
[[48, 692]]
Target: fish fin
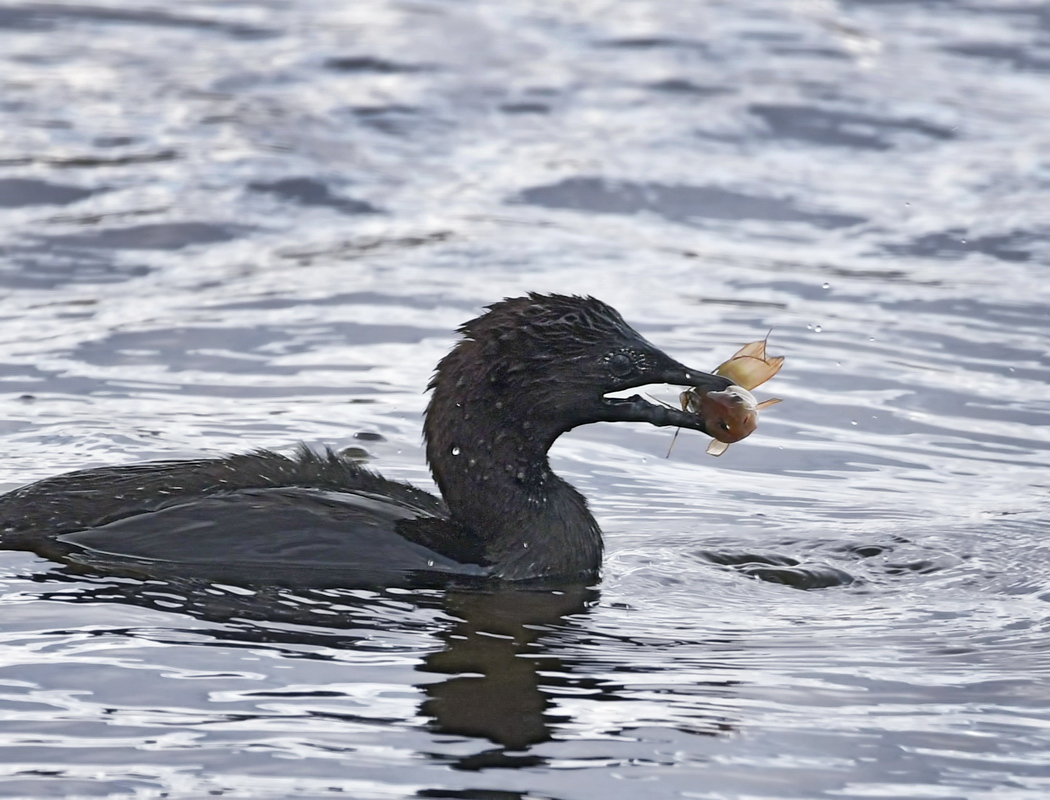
[[716, 448]]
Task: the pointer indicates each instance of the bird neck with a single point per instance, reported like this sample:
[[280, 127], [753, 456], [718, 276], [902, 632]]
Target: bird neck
[[488, 453]]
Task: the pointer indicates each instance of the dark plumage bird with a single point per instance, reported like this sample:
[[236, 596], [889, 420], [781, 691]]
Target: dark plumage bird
[[523, 373]]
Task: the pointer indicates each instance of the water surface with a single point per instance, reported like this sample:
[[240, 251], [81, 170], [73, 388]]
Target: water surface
[[231, 225]]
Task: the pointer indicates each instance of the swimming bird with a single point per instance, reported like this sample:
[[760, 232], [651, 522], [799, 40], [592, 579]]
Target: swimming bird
[[523, 373]]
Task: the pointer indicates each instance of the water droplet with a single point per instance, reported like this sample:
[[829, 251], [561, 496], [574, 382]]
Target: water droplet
[[521, 475], [817, 329], [853, 422], [962, 241], [456, 451], [826, 285], [430, 562], [871, 338], [838, 363], [907, 204], [525, 545], [645, 460]]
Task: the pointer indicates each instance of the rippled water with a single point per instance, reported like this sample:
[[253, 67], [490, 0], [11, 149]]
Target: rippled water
[[226, 225]]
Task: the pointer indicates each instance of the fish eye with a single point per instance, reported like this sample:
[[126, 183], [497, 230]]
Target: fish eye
[[724, 425], [620, 364]]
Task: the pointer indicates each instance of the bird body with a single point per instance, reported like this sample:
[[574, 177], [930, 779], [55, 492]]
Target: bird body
[[523, 373]]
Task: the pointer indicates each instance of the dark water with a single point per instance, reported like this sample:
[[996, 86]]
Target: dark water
[[237, 224]]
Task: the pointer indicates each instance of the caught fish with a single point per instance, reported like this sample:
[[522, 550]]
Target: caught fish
[[732, 414]]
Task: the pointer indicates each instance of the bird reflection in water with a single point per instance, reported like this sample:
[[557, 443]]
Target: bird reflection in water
[[495, 692], [493, 646], [492, 641]]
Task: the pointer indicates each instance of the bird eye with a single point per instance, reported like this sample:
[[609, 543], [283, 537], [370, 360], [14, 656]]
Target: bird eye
[[620, 364]]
